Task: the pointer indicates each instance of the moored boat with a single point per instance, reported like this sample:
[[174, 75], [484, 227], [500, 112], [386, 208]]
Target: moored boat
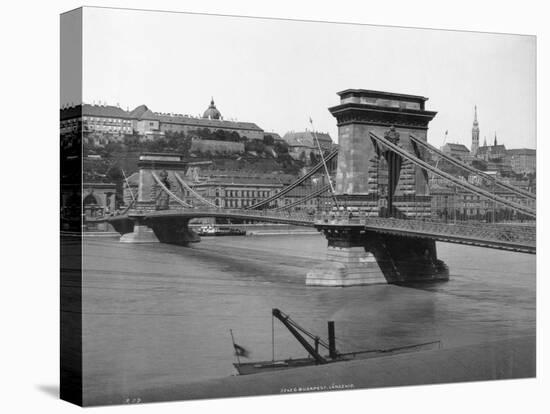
[[220, 231]]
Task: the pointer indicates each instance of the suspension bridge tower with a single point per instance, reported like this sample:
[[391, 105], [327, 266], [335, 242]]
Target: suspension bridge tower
[[368, 176], [373, 181], [158, 181]]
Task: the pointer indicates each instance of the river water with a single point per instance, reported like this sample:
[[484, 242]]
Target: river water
[[159, 315]]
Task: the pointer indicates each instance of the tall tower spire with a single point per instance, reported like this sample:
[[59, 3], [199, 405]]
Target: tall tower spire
[[495, 138], [475, 134]]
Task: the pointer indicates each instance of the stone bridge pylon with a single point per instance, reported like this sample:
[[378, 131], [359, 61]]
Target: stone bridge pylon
[[148, 191], [374, 181]]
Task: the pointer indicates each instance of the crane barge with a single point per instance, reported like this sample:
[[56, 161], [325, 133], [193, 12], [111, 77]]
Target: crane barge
[[314, 354]]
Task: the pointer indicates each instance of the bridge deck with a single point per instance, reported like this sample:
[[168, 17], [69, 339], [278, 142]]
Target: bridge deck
[[512, 237], [515, 238]]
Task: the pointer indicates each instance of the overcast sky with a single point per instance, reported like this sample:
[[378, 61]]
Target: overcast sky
[[278, 73]]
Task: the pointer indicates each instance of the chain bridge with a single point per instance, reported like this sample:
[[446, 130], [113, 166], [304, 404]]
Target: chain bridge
[[370, 198]]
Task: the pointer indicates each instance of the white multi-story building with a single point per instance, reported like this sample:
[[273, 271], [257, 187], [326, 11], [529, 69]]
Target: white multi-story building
[[97, 120]]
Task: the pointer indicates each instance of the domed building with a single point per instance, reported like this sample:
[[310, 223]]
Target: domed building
[[105, 123], [211, 119], [212, 112]]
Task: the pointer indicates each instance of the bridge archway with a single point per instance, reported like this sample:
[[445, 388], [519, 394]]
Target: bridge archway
[[92, 205], [90, 199]]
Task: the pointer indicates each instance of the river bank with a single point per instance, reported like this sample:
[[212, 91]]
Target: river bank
[[504, 359]]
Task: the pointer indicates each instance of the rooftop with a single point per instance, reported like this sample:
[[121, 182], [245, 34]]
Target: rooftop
[[105, 111], [491, 148], [456, 147], [370, 100], [204, 122], [142, 112], [306, 139], [522, 151], [380, 94], [275, 136]]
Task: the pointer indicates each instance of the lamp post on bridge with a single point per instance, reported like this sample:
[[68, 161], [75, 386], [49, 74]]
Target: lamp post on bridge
[[494, 202], [455, 204]]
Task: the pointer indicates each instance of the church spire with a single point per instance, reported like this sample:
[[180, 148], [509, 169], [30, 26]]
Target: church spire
[[495, 139], [475, 134]]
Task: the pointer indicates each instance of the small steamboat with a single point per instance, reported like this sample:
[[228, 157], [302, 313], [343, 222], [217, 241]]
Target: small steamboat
[[313, 346], [220, 231]]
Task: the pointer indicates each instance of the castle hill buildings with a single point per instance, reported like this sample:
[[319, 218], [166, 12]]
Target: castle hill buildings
[[302, 144], [101, 123], [459, 151], [150, 124], [98, 123], [523, 160]]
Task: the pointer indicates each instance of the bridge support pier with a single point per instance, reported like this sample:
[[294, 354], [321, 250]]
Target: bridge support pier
[[347, 263], [133, 229], [406, 259], [359, 257], [174, 230], [140, 234], [138, 229]]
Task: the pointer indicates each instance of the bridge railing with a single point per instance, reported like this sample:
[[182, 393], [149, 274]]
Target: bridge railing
[[287, 215], [236, 213], [521, 235], [510, 233]]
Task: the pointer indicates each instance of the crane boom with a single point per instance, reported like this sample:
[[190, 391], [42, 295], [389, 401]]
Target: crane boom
[[284, 319]]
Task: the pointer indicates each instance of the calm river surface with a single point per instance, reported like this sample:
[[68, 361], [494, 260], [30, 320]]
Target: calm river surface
[[159, 315]]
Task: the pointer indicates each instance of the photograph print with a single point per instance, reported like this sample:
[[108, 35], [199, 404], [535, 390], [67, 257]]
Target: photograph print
[[254, 206]]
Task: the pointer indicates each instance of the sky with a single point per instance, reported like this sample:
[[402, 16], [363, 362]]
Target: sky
[[279, 73]]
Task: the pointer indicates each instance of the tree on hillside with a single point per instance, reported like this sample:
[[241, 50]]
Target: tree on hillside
[[255, 145], [479, 164], [313, 158], [281, 148], [111, 147], [173, 137], [219, 135], [131, 140], [158, 145], [235, 137], [184, 145], [114, 174]]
